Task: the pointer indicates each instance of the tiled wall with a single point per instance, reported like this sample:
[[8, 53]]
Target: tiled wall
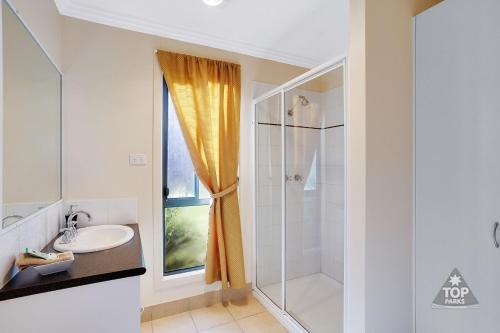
[[106, 211], [40, 228], [332, 243], [35, 232], [332, 186], [303, 196], [269, 182], [314, 208], [23, 208]]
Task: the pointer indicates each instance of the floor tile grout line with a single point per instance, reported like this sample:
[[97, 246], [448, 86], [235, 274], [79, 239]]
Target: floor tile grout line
[[230, 313], [192, 319], [239, 326], [233, 317], [238, 321], [209, 328]]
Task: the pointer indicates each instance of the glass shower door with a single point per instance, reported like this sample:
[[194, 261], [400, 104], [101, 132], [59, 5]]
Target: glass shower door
[[269, 182], [314, 189]]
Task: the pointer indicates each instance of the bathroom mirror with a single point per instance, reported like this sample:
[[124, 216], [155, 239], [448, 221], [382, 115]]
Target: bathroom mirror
[[31, 123]]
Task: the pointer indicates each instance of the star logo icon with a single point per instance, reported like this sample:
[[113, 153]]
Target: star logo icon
[[455, 280]]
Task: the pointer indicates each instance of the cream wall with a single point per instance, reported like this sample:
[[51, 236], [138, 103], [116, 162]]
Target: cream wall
[[31, 132], [380, 193], [108, 107], [356, 172], [45, 22]]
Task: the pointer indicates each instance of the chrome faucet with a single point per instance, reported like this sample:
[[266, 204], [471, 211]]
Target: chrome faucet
[[70, 232], [11, 219]]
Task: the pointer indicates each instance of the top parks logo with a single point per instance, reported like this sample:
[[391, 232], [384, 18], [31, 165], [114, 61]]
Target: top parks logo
[[455, 293]]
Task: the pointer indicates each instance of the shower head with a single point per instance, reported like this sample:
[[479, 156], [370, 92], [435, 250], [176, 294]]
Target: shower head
[[302, 100]]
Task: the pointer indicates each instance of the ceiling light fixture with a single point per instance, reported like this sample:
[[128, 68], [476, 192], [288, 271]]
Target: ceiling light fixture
[[213, 3]]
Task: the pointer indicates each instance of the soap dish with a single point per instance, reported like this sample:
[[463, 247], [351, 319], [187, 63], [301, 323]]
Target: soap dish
[[55, 267]]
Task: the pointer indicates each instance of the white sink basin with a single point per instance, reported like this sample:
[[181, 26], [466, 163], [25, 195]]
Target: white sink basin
[[96, 238]]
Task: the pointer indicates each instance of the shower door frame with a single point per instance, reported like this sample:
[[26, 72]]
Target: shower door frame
[[280, 312]]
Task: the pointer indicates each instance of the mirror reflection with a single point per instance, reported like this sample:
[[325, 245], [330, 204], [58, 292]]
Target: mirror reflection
[[31, 123]]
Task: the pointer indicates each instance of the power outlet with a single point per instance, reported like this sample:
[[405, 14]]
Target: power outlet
[[137, 159]]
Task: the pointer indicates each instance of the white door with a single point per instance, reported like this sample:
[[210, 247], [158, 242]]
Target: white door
[[457, 171]]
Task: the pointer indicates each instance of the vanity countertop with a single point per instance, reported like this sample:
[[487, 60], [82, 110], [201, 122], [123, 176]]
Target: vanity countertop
[[116, 263]]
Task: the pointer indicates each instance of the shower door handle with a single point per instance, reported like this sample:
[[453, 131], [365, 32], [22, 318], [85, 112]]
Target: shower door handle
[[495, 240]]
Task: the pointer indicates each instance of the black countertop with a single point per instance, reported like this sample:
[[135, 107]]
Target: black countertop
[[117, 263]]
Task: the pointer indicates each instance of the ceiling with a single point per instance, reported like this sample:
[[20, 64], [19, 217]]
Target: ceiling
[[298, 32]]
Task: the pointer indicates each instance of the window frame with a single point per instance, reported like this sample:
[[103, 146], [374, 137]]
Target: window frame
[[174, 202], [184, 201]]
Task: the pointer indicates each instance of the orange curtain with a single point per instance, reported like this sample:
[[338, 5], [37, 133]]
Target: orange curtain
[[206, 95]]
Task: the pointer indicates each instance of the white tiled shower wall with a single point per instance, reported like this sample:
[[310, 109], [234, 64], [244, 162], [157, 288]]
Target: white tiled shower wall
[[40, 228], [315, 217], [268, 187], [332, 186], [303, 203]]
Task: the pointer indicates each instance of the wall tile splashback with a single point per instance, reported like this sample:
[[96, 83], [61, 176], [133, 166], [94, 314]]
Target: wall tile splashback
[[39, 229], [105, 211], [35, 232]]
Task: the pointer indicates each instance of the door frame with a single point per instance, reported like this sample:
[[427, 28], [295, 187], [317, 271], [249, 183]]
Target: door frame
[[280, 313]]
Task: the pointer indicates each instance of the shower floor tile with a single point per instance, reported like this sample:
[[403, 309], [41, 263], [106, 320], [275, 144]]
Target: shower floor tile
[[315, 301]]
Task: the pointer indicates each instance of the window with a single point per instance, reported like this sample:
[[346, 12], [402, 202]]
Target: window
[[311, 178], [185, 200]]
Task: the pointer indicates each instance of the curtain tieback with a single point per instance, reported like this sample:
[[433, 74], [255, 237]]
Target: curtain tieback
[[225, 192]]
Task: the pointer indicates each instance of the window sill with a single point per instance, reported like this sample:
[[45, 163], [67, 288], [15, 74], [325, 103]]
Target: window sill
[[184, 278], [184, 275]]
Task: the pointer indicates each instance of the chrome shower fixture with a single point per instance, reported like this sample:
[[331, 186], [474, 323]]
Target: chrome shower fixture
[[296, 177], [302, 100]]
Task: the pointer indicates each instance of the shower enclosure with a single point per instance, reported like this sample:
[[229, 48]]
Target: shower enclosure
[[299, 200]]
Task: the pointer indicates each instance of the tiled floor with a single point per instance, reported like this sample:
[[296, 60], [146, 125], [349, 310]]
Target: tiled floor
[[247, 316]]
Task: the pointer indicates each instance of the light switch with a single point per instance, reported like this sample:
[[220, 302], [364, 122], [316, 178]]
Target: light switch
[[137, 159]]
